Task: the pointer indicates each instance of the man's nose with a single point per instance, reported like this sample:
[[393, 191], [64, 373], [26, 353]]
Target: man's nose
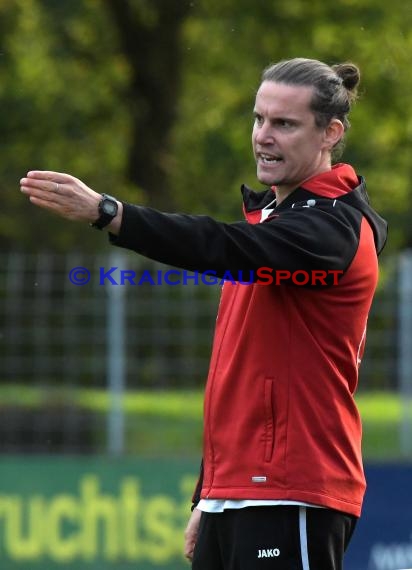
[[264, 134]]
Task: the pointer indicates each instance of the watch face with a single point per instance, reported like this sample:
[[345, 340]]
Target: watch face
[[109, 207]]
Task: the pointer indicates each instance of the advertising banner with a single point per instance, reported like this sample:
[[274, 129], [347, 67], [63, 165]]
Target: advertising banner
[[99, 513], [383, 536], [85, 513]]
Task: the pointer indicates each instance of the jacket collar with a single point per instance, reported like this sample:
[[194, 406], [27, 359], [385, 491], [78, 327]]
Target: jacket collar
[[331, 184]]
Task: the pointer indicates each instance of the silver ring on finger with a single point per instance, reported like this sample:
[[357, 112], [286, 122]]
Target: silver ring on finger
[[57, 187]]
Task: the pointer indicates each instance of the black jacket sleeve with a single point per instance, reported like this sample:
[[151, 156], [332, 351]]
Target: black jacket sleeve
[[324, 237]]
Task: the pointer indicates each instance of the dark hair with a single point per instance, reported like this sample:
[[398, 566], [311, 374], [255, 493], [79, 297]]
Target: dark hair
[[335, 88]]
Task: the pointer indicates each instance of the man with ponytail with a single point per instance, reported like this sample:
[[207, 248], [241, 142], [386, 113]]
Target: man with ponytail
[[281, 483]]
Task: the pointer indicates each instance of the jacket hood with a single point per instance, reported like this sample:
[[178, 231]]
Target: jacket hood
[[340, 183], [333, 183]]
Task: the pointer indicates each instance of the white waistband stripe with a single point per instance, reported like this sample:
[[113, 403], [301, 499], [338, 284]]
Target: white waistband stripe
[[303, 538]]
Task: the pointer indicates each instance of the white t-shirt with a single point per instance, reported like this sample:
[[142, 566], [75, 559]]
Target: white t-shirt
[[219, 505]]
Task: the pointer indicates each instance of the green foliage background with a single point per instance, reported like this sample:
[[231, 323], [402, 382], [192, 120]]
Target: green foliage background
[[71, 101]]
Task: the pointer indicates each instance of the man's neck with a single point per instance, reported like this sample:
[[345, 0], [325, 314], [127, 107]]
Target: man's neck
[[282, 192]]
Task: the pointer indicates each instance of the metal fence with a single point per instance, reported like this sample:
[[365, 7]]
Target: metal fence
[[78, 321], [58, 328]]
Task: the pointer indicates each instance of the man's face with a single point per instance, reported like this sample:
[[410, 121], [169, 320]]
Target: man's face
[[287, 144]]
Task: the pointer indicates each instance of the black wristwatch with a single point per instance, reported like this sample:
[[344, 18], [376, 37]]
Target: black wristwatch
[[107, 211]]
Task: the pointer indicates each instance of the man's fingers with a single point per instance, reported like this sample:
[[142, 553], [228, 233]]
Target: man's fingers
[[50, 191], [46, 180], [189, 549], [44, 194], [62, 194], [59, 177], [50, 187], [46, 204], [190, 552], [28, 184]]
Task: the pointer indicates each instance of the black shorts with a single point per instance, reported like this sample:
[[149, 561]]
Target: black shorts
[[279, 538]]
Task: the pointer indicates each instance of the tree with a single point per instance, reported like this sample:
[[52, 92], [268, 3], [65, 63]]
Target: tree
[[149, 36]]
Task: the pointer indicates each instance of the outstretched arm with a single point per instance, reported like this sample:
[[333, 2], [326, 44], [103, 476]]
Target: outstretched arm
[[324, 237]]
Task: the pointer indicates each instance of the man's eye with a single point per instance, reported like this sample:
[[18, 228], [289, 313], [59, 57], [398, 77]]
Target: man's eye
[[258, 119], [286, 124]]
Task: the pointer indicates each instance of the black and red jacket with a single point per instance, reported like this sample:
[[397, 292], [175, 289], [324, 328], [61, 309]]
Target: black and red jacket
[[280, 418]]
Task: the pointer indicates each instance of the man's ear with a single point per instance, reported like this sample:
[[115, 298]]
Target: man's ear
[[333, 133]]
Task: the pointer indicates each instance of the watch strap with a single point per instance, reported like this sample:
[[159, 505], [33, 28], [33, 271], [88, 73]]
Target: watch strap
[[104, 217]]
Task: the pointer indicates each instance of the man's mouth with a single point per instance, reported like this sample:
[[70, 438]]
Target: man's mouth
[[269, 158]]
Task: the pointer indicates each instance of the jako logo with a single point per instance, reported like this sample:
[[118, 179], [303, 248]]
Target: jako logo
[[268, 553]]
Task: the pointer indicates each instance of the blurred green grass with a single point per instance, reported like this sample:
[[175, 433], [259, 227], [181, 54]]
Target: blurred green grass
[[170, 421], [381, 414]]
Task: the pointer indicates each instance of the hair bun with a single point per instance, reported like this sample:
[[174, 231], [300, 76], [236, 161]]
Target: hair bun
[[349, 73]]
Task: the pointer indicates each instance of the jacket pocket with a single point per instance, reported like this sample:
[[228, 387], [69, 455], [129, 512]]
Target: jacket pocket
[[269, 418]]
